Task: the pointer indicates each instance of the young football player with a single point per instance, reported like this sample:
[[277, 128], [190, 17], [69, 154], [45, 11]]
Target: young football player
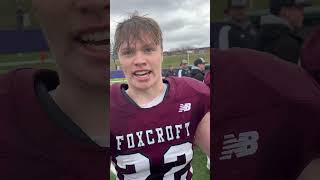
[[154, 123], [54, 125]]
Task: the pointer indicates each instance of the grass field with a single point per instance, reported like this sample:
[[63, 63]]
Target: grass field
[[45, 65], [118, 80], [5, 69], [21, 57], [13, 61], [199, 165]]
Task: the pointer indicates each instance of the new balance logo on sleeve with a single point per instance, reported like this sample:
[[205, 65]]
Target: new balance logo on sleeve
[[245, 145], [185, 107]]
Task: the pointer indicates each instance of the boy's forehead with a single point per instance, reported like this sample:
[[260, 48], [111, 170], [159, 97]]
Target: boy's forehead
[[132, 41]]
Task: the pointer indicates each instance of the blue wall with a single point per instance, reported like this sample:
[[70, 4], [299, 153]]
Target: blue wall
[[116, 74], [22, 41]]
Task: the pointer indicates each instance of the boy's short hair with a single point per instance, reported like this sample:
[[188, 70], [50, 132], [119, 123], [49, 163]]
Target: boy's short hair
[[134, 28]]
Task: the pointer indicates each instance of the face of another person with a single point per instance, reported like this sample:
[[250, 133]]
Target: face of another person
[[78, 36], [238, 14], [295, 16], [202, 67], [141, 62], [184, 66]]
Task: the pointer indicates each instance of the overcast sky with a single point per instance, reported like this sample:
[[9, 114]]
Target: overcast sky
[[184, 23]]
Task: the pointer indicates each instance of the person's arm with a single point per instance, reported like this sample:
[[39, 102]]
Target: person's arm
[[224, 38], [311, 172], [202, 137]]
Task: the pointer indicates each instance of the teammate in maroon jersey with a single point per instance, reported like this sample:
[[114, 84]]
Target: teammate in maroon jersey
[[266, 117], [310, 55], [53, 126], [154, 122], [207, 79]]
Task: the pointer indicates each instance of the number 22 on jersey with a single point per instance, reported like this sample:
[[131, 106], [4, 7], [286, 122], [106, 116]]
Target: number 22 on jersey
[[137, 166]]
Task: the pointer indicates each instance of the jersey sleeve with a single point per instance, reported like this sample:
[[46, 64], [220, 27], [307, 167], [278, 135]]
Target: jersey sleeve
[[308, 126], [203, 94], [310, 54], [207, 79], [206, 100]]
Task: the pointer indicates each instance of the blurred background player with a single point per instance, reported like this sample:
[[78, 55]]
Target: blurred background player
[[279, 33], [20, 17], [236, 30], [184, 69], [170, 72], [197, 71]]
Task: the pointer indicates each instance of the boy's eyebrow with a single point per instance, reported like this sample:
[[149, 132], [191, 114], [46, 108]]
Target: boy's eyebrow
[[126, 49], [131, 46], [149, 45]]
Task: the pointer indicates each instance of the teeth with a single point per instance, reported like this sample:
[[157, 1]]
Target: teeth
[[97, 36], [141, 72]]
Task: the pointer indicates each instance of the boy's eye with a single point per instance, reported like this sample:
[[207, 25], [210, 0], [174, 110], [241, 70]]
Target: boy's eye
[[127, 52], [148, 50]]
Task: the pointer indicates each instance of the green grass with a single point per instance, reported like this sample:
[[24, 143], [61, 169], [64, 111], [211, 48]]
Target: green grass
[[20, 57], [118, 80], [4, 69], [199, 164], [175, 60], [112, 177], [24, 57]]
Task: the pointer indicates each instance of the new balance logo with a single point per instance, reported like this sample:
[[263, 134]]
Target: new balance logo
[[245, 145], [185, 107]]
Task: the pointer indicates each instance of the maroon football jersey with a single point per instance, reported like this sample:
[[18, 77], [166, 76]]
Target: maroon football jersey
[[310, 54], [37, 139], [266, 117], [156, 143], [207, 80]]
